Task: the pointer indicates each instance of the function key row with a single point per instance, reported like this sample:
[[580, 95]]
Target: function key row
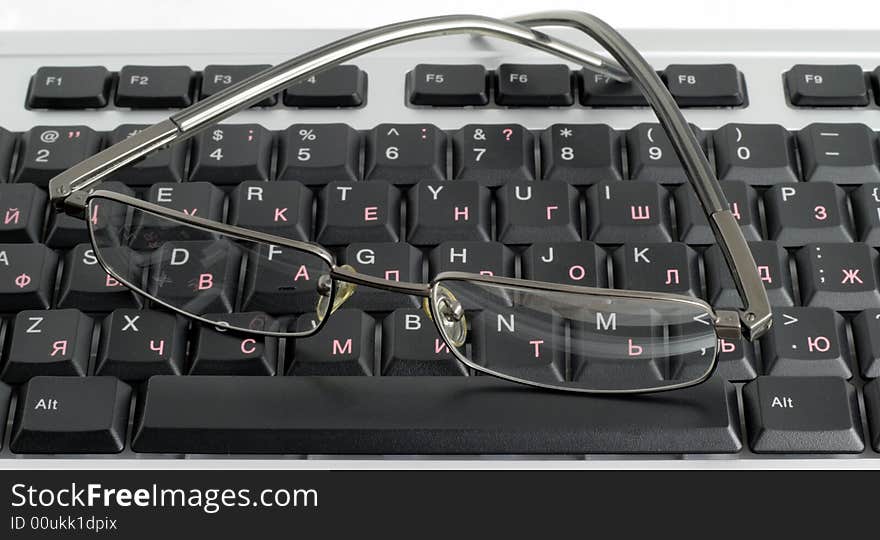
[[829, 85], [170, 87]]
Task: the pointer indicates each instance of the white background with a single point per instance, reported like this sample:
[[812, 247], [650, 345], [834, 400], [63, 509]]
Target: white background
[[130, 14]]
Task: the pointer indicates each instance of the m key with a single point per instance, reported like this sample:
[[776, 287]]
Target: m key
[[53, 342], [806, 341], [839, 276]]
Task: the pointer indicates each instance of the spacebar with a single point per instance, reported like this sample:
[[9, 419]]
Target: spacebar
[[424, 415]]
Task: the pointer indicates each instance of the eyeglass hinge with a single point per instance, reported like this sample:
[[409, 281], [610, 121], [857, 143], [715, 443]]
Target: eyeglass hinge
[[727, 325]]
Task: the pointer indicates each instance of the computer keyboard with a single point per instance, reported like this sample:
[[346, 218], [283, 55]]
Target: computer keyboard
[[448, 154]]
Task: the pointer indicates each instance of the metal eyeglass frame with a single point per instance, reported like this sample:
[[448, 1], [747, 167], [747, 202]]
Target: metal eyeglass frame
[[71, 191]]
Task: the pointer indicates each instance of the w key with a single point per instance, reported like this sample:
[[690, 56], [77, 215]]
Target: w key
[[802, 213], [839, 276]]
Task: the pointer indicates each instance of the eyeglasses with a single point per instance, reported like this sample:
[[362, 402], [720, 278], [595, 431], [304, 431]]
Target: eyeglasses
[[543, 334]]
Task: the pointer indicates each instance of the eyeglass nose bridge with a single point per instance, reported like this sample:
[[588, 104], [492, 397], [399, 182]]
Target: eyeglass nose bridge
[[347, 279]]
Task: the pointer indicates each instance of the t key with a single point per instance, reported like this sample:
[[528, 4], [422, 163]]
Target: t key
[[493, 154], [669, 267], [619, 212], [403, 154], [47, 151], [440, 211], [839, 276], [358, 212], [839, 153], [760, 154], [232, 153], [580, 154], [53, 342], [573, 263], [27, 276], [806, 341], [528, 212], [136, 345], [802, 213], [280, 208], [315, 154], [651, 156]]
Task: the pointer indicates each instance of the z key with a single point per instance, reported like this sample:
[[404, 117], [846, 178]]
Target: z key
[[493, 154], [55, 342]]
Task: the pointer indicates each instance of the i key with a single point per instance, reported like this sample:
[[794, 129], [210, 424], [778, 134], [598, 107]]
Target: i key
[[344, 345], [316, 154], [280, 208], [220, 351], [528, 212], [53, 342], [196, 276], [806, 341], [572, 263], [866, 335], [580, 154], [651, 156], [65, 231], [411, 346], [839, 276], [866, 213], [217, 78], [135, 344], [760, 154], [47, 151], [619, 212], [27, 276], [403, 154], [22, 208], [394, 261], [192, 198], [693, 227], [839, 153], [803, 213], [668, 267], [164, 166], [232, 153], [772, 263], [280, 281], [87, 286], [441, 211], [358, 212], [493, 154]]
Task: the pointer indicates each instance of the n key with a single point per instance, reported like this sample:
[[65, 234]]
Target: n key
[[528, 212], [572, 263], [839, 153], [669, 267], [493, 154], [394, 261], [620, 212], [27, 276], [441, 211], [760, 154], [806, 341], [136, 345], [358, 212], [218, 351], [803, 213], [53, 342], [47, 151], [344, 345], [839, 276], [87, 286], [280, 208], [232, 153], [403, 154]]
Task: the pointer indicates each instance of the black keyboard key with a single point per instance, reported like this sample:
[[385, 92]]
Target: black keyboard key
[[806, 341], [599, 90], [803, 213], [344, 346], [619, 212], [571, 263], [839, 153], [486, 258], [86, 286], [66, 231], [58, 415], [651, 156], [528, 212], [693, 226], [199, 272], [280, 208], [395, 261], [69, 87], [736, 360], [448, 85], [27, 276], [232, 153], [580, 154], [412, 346], [760, 154], [316, 154], [772, 263], [811, 85], [403, 154], [872, 406], [669, 267], [839, 276], [7, 145], [5, 397], [47, 151], [339, 86], [192, 198], [163, 166], [802, 415], [866, 335], [705, 85], [533, 85], [866, 213], [493, 154], [217, 78], [358, 212], [280, 281], [440, 211], [55, 342], [221, 352], [155, 87], [135, 344], [22, 209]]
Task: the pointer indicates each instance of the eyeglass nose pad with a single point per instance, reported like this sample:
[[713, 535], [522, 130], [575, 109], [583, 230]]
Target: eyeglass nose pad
[[344, 291], [452, 316]]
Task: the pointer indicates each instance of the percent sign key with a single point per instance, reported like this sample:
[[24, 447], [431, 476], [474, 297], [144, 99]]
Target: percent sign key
[[315, 154]]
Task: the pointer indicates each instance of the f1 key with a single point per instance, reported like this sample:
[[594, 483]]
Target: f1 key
[[69, 87]]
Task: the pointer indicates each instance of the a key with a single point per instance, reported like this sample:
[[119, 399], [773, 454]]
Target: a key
[[806, 341], [55, 342], [598, 90], [280, 208], [570, 263], [811, 85], [358, 212], [872, 406], [316, 154], [135, 344], [619, 212], [528, 212], [533, 85], [27, 276], [7, 145], [839, 276], [69, 87], [163, 166], [759, 154], [280, 281], [47, 151], [231, 154], [155, 87], [216, 78], [487, 258], [403, 154], [222, 352], [65, 231], [5, 396], [839, 153], [736, 360], [651, 156], [669, 267], [412, 346], [63, 415], [803, 213], [580, 154], [448, 85], [344, 346], [693, 226], [520, 341], [339, 86], [866, 335], [87, 286], [22, 209], [772, 263], [201, 273], [705, 85], [802, 415], [392, 261], [441, 211], [200, 199], [866, 213], [493, 154]]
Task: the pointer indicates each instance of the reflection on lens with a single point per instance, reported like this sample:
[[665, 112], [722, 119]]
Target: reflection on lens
[[203, 273], [580, 341]]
